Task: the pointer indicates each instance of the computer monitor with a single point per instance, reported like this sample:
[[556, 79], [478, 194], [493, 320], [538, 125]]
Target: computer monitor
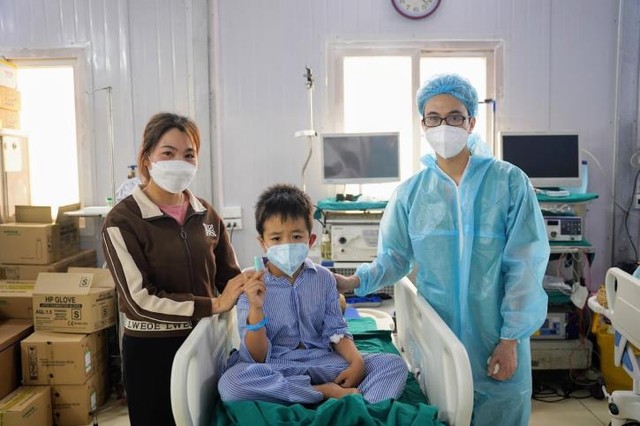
[[359, 158], [550, 159]]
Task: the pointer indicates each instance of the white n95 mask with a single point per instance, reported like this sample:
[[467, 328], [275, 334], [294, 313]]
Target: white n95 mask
[[288, 257], [172, 175], [447, 141]]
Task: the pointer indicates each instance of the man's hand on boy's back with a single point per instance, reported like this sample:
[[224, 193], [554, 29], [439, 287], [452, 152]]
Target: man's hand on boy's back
[[346, 284], [255, 289]]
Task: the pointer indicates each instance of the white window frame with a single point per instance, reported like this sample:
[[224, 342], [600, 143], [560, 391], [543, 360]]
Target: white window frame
[[492, 50], [80, 59]]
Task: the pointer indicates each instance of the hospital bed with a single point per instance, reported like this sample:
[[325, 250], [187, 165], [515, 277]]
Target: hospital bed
[[435, 356], [623, 309]]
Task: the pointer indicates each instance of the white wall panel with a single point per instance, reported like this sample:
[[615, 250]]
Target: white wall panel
[[136, 47], [559, 71]]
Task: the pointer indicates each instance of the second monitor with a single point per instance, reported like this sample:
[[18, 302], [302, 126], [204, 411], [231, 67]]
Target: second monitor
[[359, 158], [550, 159]]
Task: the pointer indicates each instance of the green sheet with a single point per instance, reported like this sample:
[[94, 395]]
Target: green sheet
[[410, 409]]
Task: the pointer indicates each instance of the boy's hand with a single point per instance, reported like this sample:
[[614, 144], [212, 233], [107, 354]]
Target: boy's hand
[[255, 289], [346, 284], [352, 375]]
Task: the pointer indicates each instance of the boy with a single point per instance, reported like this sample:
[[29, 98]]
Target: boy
[[295, 346]]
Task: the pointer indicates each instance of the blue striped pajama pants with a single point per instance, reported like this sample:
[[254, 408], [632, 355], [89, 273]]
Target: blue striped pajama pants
[[290, 378]]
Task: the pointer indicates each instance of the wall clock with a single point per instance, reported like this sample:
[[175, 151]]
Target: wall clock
[[415, 9]]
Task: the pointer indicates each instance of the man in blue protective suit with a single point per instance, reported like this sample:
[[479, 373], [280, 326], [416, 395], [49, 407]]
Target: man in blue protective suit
[[472, 226]]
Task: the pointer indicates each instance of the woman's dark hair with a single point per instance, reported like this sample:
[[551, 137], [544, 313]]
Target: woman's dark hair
[[156, 127]]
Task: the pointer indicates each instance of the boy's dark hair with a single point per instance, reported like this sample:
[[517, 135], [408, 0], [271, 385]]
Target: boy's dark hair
[[286, 201]]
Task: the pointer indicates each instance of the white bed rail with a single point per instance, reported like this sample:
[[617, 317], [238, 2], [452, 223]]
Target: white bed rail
[[197, 366], [435, 355]]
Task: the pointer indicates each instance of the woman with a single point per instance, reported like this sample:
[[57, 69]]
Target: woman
[[172, 262]]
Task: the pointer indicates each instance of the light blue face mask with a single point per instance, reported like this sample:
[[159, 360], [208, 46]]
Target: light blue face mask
[[288, 257]]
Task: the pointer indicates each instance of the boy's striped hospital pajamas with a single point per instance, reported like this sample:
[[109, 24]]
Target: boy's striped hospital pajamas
[[302, 318]]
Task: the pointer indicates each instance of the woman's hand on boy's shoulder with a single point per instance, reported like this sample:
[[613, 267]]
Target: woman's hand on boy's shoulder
[[227, 300]]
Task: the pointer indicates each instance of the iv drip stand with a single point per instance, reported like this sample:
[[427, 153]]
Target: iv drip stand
[[111, 141], [310, 133], [111, 145]]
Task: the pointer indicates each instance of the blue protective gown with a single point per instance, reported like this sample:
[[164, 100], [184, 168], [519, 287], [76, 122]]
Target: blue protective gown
[[481, 251]]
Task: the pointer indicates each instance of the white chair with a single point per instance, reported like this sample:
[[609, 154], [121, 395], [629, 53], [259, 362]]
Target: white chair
[[623, 300]]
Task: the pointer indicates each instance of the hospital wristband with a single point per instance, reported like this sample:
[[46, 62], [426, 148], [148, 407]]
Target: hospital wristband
[[258, 326]]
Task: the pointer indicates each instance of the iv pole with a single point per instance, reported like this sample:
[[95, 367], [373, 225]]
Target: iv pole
[[310, 133], [111, 141]]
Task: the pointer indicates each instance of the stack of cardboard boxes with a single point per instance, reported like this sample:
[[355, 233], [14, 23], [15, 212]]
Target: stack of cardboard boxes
[[49, 285], [36, 243], [9, 96], [64, 362]]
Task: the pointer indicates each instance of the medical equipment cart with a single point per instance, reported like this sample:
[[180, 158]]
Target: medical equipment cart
[[352, 230], [561, 343]]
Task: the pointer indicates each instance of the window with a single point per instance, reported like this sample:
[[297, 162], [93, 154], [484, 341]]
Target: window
[[54, 117], [48, 118], [372, 88]]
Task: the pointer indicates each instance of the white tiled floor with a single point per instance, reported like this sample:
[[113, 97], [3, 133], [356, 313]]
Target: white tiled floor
[[582, 412]]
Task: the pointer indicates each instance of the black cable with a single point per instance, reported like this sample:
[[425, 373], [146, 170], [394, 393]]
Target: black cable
[[323, 223], [546, 393], [626, 217], [561, 390]]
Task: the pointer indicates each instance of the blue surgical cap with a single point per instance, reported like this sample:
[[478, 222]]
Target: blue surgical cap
[[449, 84]]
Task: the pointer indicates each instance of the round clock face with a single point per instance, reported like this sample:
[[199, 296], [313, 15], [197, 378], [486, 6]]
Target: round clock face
[[416, 9]]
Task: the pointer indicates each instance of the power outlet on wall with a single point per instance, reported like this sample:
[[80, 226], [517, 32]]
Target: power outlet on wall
[[232, 218], [636, 201], [233, 224]]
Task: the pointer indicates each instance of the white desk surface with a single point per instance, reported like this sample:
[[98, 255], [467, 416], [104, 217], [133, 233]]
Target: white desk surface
[[90, 211]]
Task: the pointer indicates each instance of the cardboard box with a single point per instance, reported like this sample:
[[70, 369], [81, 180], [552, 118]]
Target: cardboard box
[[16, 299], [75, 404], [58, 358], [9, 98], [8, 74], [85, 258], [27, 406], [101, 350], [33, 239], [98, 342], [79, 301], [12, 331], [9, 119]]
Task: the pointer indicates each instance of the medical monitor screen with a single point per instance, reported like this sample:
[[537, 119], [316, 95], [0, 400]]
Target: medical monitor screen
[[550, 160], [359, 158]]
